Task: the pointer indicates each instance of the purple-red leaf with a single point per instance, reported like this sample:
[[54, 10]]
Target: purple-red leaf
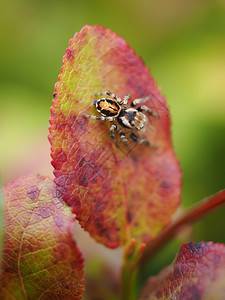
[[40, 258], [197, 273], [116, 194]]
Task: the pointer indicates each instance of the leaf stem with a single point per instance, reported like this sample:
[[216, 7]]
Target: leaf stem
[[192, 215], [129, 282]]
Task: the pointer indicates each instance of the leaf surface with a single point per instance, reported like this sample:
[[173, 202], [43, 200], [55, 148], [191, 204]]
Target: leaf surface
[[197, 273], [40, 258], [116, 194]]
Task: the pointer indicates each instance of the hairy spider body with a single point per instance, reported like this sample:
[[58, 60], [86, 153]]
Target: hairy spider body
[[132, 118], [114, 109]]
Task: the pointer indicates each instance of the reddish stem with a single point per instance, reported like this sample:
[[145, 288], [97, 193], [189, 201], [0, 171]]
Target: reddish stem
[[192, 215]]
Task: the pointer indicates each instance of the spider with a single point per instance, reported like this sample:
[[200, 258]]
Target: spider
[[114, 109]]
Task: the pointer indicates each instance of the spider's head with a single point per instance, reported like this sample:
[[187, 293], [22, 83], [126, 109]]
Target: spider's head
[[132, 118]]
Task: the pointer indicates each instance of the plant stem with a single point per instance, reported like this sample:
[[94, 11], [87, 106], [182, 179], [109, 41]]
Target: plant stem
[[129, 281], [192, 215]]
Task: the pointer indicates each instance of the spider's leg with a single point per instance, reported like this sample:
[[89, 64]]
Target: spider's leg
[[137, 140], [99, 118], [102, 93], [125, 101], [112, 131], [107, 93], [147, 110], [124, 139], [139, 101]]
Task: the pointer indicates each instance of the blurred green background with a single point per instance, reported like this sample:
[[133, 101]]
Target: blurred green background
[[182, 42]]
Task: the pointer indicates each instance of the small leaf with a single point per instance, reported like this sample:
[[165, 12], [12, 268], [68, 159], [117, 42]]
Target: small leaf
[[116, 195], [40, 258], [197, 273]]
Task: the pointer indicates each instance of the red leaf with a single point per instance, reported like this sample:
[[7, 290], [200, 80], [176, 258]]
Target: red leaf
[[116, 195], [40, 258], [197, 273]]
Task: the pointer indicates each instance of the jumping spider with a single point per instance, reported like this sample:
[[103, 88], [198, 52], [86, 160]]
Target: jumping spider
[[113, 109]]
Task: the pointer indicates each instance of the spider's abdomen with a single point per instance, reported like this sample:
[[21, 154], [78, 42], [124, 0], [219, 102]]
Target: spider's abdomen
[[107, 107]]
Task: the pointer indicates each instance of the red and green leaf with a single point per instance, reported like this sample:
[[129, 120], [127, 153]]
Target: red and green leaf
[[197, 273], [115, 195], [40, 258]]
